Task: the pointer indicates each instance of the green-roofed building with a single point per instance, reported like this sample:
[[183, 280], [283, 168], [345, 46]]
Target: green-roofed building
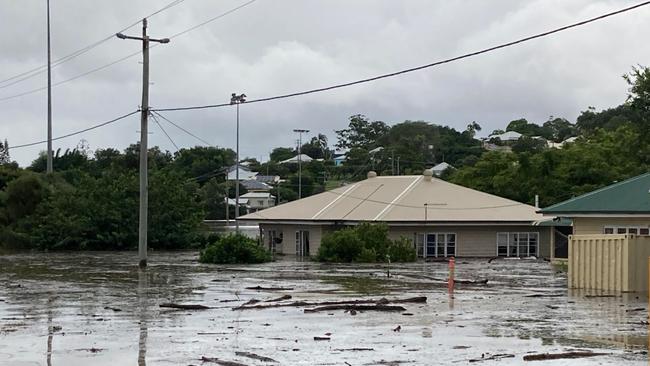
[[621, 208]]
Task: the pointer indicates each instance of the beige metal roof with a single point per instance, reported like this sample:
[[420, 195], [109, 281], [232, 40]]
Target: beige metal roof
[[401, 199]]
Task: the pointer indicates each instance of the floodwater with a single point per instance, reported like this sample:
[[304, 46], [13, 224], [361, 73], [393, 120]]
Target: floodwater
[[99, 309]]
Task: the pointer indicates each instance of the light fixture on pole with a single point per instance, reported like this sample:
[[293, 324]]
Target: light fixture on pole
[[237, 100], [300, 132]]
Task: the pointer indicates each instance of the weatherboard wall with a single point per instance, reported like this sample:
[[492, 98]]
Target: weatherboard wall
[[596, 225]]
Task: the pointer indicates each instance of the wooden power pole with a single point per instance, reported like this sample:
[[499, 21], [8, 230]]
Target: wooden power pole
[[144, 186]]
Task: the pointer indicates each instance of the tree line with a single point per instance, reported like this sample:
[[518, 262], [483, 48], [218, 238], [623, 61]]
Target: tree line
[[91, 200]]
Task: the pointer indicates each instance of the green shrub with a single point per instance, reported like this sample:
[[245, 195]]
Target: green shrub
[[233, 249], [340, 246], [402, 250], [366, 243]]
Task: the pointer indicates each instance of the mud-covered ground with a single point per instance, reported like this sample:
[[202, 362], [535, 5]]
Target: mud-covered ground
[[99, 309]]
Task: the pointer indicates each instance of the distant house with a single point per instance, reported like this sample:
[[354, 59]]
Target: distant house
[[254, 185], [268, 179], [340, 159], [440, 168], [621, 208], [559, 145], [440, 219], [303, 158], [258, 200], [508, 136], [244, 173]]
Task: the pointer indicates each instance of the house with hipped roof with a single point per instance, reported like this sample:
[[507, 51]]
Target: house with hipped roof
[[440, 219]]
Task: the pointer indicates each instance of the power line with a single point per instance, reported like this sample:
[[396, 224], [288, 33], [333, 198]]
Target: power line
[[76, 132], [165, 132], [126, 57], [41, 69], [418, 68], [182, 129]]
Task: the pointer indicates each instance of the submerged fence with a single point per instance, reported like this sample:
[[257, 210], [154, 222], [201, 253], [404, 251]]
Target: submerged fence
[[609, 262]]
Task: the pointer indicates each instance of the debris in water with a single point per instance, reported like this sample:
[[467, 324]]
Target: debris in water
[[184, 306], [255, 356], [399, 327], [356, 307], [419, 299], [260, 288], [495, 357], [221, 362], [559, 356], [111, 308], [317, 338], [353, 349], [281, 298]]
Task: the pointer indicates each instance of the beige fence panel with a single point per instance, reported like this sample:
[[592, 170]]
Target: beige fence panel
[[609, 262]]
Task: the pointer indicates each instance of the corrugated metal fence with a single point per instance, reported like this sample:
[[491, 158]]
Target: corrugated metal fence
[[609, 262]]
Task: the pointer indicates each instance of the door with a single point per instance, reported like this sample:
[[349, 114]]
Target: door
[[302, 243]]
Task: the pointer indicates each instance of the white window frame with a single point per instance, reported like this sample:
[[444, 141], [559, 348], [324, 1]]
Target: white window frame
[[512, 243], [421, 247], [626, 229]]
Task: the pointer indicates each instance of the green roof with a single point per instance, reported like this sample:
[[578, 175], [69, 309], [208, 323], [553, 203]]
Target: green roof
[[630, 196]]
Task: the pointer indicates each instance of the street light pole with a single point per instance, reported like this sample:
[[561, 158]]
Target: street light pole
[[144, 185], [300, 132], [49, 167], [237, 100]]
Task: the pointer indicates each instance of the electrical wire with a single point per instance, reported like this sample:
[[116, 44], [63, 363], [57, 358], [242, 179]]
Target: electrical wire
[[43, 68], [76, 132], [182, 129], [165, 132], [126, 57], [417, 68]]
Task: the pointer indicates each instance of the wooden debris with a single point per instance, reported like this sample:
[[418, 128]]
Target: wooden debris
[[251, 302], [255, 356], [545, 295], [635, 309], [317, 338], [356, 308], [184, 306], [559, 356], [281, 298], [491, 259], [260, 288], [111, 308], [398, 328], [495, 357], [221, 362], [353, 349], [419, 299]]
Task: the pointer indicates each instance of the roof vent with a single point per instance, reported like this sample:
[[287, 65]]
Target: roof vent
[[372, 174], [428, 173]]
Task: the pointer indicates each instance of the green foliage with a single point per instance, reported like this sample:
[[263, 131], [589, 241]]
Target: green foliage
[[367, 243], [234, 249], [282, 153], [402, 250]]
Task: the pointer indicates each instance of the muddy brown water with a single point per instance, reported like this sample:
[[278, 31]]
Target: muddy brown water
[[99, 309]]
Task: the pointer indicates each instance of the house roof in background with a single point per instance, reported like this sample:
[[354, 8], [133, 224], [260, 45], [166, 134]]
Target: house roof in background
[[630, 196], [401, 199], [251, 195], [441, 167], [303, 158], [507, 136], [254, 185], [244, 173]]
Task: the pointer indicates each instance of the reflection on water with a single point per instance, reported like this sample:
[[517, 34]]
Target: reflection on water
[[143, 285], [50, 331]]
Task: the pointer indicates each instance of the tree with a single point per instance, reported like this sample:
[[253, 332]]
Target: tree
[[4, 153], [361, 133], [472, 128], [559, 129], [282, 153]]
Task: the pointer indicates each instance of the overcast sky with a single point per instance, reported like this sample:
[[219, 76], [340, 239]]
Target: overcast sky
[[278, 46]]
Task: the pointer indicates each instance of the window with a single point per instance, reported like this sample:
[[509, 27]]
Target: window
[[635, 230], [517, 244], [435, 244]]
